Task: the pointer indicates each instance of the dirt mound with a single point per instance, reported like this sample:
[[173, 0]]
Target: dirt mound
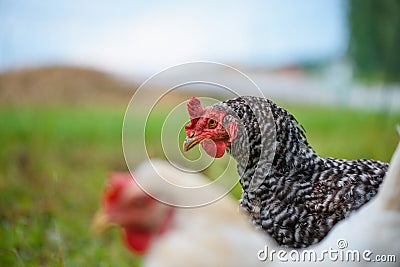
[[62, 85]]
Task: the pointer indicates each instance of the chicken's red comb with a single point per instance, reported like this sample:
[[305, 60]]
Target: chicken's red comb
[[116, 182], [195, 112], [194, 108], [119, 179]]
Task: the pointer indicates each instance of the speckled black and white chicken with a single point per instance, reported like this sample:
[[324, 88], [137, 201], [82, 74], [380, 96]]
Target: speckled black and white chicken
[[370, 236], [288, 190]]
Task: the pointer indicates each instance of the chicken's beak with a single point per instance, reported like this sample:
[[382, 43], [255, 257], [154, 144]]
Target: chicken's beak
[[190, 142], [100, 222]]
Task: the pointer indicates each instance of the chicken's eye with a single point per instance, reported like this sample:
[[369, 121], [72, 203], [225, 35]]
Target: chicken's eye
[[212, 123]]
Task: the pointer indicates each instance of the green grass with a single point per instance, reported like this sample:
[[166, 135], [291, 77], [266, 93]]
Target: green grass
[[53, 166], [54, 161], [350, 134]]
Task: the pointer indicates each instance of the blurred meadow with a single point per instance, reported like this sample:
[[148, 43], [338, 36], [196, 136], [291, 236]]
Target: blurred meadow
[[61, 127]]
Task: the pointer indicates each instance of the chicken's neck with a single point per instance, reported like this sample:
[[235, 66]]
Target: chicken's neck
[[271, 142]]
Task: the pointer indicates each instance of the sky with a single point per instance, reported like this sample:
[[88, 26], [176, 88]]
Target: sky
[[144, 37]]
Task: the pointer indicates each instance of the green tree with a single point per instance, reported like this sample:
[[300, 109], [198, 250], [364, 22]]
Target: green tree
[[375, 39]]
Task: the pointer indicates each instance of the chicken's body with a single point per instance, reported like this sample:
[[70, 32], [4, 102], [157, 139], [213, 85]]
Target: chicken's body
[[370, 236], [208, 236], [299, 196], [217, 234]]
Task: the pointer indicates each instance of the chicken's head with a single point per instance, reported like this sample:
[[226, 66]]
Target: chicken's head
[[139, 215], [212, 127]]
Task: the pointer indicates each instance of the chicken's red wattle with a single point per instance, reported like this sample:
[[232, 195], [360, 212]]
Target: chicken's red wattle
[[214, 148]]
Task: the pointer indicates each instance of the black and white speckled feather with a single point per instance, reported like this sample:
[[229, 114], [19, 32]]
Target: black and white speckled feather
[[298, 196]]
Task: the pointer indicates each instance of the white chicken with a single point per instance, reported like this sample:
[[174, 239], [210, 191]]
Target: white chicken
[[214, 235]]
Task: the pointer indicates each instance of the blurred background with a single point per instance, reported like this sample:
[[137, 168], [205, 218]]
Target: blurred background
[[69, 68]]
